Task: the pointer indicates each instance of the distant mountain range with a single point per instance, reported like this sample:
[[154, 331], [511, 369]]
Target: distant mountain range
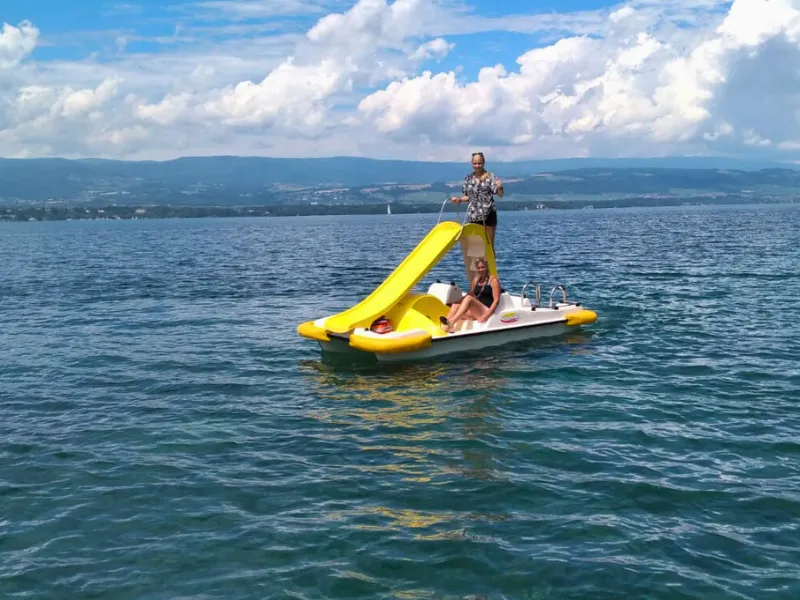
[[254, 180]]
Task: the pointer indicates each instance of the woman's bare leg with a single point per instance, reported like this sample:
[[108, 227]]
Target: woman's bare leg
[[453, 310], [462, 310], [474, 311], [448, 320], [477, 310]]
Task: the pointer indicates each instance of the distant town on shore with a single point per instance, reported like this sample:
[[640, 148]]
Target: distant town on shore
[[59, 189]]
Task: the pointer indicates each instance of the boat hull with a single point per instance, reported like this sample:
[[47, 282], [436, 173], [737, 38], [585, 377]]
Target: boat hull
[[477, 342], [395, 323], [529, 325]]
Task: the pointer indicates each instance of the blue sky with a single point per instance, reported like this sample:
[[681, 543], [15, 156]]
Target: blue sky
[[78, 28], [398, 78], [155, 17]]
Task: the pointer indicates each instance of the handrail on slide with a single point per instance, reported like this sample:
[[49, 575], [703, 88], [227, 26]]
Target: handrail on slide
[[458, 211]]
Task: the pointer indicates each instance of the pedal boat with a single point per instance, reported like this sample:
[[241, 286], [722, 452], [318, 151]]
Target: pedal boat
[[415, 317]]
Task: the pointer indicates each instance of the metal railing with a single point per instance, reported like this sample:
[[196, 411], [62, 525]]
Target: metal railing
[[538, 291], [563, 294], [458, 212], [552, 303]]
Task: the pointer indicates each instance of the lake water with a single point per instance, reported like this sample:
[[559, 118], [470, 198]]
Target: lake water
[[165, 434]]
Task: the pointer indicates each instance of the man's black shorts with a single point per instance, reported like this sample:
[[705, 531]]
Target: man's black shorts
[[491, 220]]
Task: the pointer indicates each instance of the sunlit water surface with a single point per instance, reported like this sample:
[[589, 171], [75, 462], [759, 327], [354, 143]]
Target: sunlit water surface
[[164, 432]]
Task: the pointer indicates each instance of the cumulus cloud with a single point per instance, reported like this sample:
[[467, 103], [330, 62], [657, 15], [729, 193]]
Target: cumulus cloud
[[629, 87], [437, 48], [383, 77], [291, 97], [44, 105], [170, 109], [343, 51], [16, 43]]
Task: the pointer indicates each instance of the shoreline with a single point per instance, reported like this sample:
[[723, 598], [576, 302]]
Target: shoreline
[[27, 213]]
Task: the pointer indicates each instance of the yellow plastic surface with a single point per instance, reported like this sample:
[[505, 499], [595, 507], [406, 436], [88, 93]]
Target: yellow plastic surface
[[312, 331], [582, 317], [389, 345], [408, 273], [419, 311]]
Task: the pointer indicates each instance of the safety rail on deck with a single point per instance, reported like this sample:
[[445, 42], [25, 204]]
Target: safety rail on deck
[[538, 297]]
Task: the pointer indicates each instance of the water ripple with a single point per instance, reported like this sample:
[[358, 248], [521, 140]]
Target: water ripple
[[166, 434]]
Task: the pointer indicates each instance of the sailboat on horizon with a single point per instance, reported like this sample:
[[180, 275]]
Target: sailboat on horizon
[[388, 209]]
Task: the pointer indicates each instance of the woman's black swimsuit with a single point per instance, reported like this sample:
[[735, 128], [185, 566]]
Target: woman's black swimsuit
[[484, 293]]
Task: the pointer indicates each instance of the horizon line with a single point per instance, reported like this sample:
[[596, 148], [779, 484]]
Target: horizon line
[[704, 158]]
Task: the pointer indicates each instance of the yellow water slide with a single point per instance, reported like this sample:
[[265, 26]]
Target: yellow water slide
[[394, 288]]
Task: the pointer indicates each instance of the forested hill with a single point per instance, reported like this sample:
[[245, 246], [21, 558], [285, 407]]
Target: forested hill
[[653, 181], [242, 180]]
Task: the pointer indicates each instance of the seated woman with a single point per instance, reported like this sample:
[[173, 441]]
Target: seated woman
[[479, 303]]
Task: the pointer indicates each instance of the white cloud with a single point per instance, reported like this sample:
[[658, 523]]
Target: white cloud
[[16, 43], [641, 77], [622, 13], [170, 109], [251, 9], [290, 97], [120, 137], [81, 102], [625, 88], [38, 102], [343, 51], [437, 48]]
